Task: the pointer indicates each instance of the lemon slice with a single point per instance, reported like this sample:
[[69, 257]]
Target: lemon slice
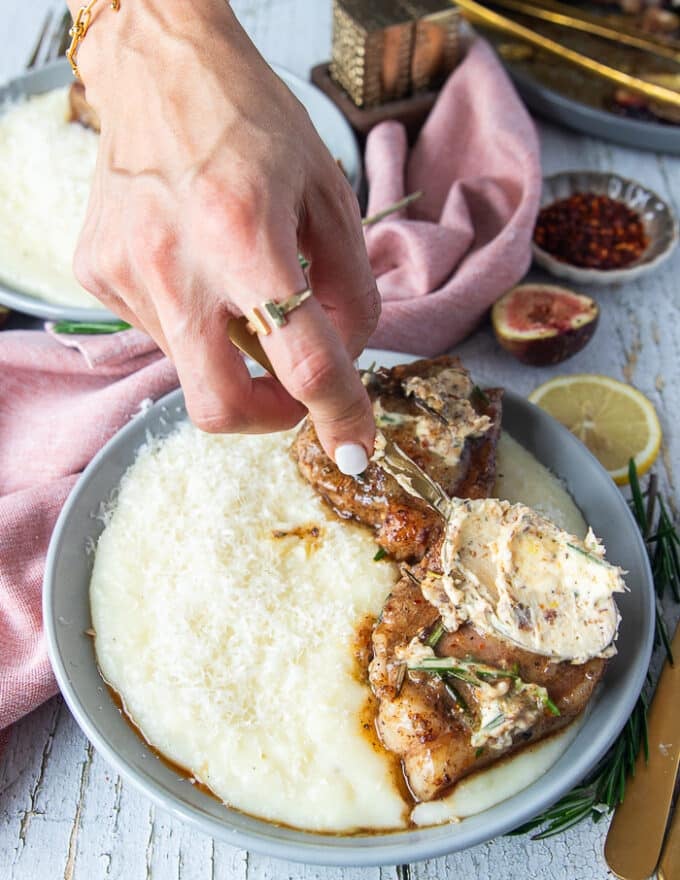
[[614, 420]]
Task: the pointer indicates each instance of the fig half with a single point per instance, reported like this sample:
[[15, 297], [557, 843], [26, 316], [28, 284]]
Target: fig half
[[541, 324]]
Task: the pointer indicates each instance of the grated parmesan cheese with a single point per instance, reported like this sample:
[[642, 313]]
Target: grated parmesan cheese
[[231, 648], [47, 166]]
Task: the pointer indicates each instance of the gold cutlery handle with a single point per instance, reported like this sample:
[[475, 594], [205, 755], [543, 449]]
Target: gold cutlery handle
[[557, 13], [669, 866], [249, 343], [637, 831], [475, 13]]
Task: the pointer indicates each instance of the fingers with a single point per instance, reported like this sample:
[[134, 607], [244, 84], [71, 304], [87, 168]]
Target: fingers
[[340, 274], [107, 273], [313, 364], [310, 358], [221, 395], [249, 253], [183, 279]]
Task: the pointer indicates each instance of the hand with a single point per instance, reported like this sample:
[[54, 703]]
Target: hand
[[210, 179]]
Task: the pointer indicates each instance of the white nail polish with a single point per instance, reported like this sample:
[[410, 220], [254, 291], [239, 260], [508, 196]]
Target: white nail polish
[[351, 458]]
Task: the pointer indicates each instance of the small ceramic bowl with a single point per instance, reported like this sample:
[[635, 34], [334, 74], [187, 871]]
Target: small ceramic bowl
[[659, 222]]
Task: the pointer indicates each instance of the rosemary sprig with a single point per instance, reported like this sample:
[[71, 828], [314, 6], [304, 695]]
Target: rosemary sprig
[[480, 395], [391, 209], [604, 789], [447, 666], [590, 556], [495, 722], [436, 634], [380, 554], [456, 697], [90, 328], [550, 706], [380, 215], [469, 671]]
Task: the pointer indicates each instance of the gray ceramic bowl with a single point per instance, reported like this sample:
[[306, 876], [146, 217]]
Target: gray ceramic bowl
[[67, 616], [658, 219], [549, 104], [332, 126]]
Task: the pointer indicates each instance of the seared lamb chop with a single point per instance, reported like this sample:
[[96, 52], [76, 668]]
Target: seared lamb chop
[[435, 721], [450, 428], [452, 702]]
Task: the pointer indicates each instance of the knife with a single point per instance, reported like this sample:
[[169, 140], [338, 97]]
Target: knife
[[637, 830], [669, 866], [412, 478]]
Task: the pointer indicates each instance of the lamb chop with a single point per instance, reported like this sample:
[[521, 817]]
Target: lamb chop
[[438, 722], [443, 422], [454, 694]]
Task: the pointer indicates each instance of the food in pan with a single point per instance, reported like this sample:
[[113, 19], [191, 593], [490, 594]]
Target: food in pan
[[249, 609], [47, 166]]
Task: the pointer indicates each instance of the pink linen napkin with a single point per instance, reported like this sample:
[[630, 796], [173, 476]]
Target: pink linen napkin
[[58, 406], [467, 240]]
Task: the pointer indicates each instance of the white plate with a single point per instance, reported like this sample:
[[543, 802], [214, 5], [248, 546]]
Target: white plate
[[66, 612], [332, 126]]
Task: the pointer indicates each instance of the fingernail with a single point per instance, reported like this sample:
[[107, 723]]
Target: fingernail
[[351, 458]]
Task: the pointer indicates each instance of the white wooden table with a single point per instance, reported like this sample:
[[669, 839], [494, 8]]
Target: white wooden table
[[65, 815]]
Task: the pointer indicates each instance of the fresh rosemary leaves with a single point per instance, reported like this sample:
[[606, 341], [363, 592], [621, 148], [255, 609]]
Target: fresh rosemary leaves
[[604, 788], [90, 328]]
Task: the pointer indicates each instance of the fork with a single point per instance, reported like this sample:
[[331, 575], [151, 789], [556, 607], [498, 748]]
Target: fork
[[394, 460], [53, 37]]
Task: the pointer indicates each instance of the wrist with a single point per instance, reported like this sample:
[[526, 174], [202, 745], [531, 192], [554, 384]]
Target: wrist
[[144, 31]]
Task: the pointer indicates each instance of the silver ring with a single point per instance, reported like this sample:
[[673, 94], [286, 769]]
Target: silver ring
[[264, 318]]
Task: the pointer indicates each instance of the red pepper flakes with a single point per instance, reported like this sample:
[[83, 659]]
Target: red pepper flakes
[[591, 230]]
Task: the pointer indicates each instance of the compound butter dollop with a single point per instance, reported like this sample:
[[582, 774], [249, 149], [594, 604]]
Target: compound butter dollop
[[511, 571]]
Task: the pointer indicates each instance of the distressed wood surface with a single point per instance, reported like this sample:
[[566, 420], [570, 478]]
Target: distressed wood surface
[[65, 815]]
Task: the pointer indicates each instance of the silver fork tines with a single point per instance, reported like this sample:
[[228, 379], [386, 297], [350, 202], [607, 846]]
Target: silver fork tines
[[413, 479]]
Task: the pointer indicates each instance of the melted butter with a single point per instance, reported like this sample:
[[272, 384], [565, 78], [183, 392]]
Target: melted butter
[[311, 535], [369, 730]]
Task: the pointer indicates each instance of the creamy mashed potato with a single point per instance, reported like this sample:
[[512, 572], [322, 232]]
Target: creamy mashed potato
[[226, 598], [232, 647], [47, 165], [522, 479]]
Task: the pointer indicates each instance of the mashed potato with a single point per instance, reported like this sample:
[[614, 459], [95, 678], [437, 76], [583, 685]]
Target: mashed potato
[[522, 479], [47, 165], [226, 598]]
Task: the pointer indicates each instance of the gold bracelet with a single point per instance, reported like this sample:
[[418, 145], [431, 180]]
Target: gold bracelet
[[80, 27]]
